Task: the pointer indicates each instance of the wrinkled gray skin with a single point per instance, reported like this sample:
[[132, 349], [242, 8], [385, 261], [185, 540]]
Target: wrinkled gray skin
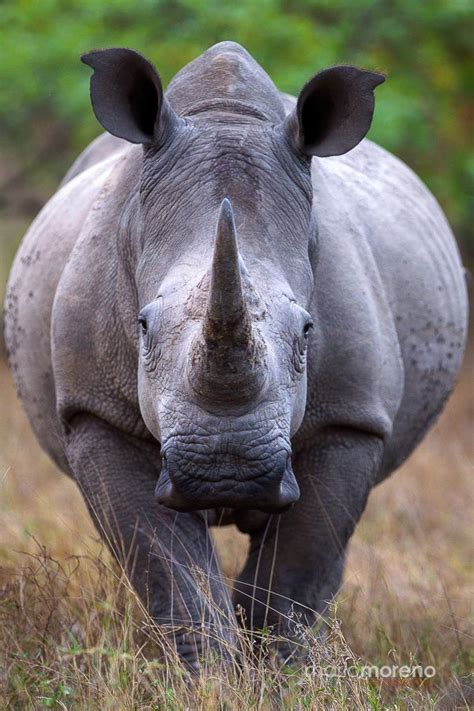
[[224, 388]]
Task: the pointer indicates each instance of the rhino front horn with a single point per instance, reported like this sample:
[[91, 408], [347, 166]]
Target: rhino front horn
[[228, 356], [227, 316]]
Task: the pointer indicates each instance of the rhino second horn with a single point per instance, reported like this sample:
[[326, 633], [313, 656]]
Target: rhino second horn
[[227, 315]]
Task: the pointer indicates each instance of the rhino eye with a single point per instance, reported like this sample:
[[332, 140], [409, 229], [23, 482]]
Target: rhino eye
[[148, 318], [143, 323], [307, 328]]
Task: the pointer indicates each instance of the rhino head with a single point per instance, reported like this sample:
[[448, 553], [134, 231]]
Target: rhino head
[[221, 254]]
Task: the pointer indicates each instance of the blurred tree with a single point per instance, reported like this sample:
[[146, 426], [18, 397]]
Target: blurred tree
[[423, 111]]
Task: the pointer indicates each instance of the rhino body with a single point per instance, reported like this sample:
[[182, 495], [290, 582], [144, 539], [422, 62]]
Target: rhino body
[[227, 398]]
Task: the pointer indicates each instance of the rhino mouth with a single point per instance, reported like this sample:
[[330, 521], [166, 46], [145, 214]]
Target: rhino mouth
[[221, 480]]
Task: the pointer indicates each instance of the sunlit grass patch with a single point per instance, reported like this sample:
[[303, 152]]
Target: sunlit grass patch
[[73, 635]]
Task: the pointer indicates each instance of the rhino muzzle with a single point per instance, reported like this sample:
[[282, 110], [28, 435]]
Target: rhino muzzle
[[227, 483]]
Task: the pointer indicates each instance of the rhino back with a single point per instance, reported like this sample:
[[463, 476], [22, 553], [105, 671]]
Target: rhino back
[[100, 149]]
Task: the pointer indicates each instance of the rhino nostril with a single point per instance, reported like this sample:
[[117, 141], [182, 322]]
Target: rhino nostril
[[282, 464], [288, 489], [167, 494]]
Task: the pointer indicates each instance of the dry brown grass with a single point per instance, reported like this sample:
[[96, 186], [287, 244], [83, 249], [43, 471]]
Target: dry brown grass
[[72, 635]]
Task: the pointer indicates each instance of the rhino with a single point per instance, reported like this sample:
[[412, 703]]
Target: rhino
[[235, 309]]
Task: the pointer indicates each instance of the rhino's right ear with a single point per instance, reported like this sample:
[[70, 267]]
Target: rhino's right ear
[[127, 96]]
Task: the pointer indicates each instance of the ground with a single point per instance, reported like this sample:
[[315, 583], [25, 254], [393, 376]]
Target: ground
[[72, 635]]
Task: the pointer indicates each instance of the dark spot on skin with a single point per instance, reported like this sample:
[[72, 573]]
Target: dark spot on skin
[[440, 339], [414, 362], [30, 294], [449, 355]]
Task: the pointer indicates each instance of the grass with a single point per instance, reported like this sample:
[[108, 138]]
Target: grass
[[73, 635]]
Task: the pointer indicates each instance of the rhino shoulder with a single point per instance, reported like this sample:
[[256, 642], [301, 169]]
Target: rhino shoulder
[[374, 168], [94, 370]]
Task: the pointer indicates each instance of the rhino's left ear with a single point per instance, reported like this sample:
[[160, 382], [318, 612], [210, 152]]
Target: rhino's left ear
[[127, 96], [334, 111]]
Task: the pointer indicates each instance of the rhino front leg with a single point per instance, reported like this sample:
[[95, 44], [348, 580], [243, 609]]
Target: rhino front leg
[[299, 555], [168, 556]]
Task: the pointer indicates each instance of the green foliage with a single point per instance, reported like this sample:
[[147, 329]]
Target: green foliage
[[422, 111]]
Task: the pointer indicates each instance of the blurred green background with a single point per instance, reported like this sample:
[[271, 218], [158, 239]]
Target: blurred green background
[[423, 110]]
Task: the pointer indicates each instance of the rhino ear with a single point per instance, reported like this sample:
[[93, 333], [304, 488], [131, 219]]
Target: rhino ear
[[334, 111], [127, 95]]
